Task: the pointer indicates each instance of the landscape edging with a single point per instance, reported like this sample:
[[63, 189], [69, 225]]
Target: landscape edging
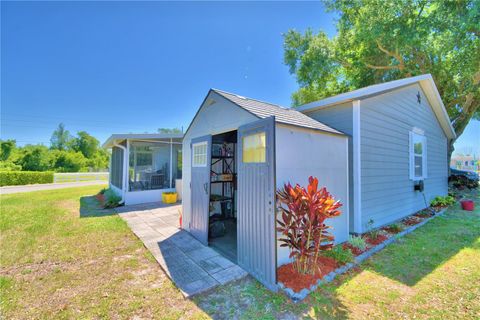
[[299, 296]]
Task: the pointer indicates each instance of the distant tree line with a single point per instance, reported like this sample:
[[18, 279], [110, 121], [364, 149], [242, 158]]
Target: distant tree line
[[67, 153]]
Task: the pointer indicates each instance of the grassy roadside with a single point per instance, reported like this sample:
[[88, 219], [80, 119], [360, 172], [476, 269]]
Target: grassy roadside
[[61, 259]]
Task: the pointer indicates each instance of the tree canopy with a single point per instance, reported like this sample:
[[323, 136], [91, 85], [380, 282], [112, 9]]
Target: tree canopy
[[60, 138], [379, 41], [169, 130], [66, 154]]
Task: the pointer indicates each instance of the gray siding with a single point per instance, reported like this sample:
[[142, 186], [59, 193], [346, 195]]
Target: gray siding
[[340, 117], [385, 122]]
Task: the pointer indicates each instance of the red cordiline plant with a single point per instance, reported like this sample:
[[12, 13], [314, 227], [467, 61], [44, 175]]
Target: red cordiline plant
[[302, 222]]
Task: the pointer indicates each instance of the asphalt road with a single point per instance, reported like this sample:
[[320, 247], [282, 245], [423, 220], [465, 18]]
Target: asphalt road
[[49, 186]]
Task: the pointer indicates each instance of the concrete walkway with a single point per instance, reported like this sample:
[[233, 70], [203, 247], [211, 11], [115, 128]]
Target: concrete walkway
[[48, 186], [193, 267]]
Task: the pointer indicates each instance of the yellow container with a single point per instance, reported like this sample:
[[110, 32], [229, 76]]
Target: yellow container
[[169, 197]]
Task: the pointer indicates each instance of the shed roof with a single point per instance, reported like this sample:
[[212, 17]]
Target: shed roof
[[284, 115], [425, 81], [140, 136]]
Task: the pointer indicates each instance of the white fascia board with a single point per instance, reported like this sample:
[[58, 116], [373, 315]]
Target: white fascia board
[[140, 136], [425, 81], [363, 92]]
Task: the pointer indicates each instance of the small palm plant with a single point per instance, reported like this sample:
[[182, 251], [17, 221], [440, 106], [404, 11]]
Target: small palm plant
[[302, 223]]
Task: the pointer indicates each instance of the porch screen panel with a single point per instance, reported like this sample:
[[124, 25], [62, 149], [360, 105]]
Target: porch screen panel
[[117, 167]]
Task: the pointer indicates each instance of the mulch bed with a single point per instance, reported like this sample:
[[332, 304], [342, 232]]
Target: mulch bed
[[411, 221], [373, 242], [423, 214], [101, 198], [296, 281], [355, 251], [439, 208], [391, 230]]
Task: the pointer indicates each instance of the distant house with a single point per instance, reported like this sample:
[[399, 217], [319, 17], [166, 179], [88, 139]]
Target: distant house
[[465, 162]]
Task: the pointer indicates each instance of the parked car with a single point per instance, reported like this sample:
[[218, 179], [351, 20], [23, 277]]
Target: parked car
[[467, 174]]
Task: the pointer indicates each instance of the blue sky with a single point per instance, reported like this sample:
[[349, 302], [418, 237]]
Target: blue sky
[[134, 67]]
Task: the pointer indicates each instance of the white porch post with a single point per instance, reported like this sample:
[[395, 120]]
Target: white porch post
[[171, 161], [126, 166]]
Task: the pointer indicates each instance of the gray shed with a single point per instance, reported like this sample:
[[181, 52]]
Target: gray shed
[[236, 153], [400, 132]]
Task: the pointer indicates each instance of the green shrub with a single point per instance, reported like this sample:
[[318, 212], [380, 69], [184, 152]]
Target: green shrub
[[374, 232], [357, 242], [17, 178], [341, 255], [440, 201], [112, 200], [395, 228]]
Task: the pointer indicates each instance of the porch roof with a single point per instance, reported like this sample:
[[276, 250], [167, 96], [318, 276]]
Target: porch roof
[[140, 136]]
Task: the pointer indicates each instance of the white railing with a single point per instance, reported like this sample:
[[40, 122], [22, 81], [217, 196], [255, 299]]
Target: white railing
[[80, 176]]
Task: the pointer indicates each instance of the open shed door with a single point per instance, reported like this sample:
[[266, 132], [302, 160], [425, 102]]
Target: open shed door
[[256, 236], [200, 187]]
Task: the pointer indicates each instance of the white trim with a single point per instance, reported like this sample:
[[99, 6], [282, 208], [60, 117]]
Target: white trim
[[348, 185], [425, 81], [415, 134], [194, 165], [126, 166], [357, 169], [140, 136], [171, 161]]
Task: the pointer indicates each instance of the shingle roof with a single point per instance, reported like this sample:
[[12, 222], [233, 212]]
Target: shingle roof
[[282, 115]]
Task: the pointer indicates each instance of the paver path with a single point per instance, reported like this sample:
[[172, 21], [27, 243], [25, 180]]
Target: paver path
[[48, 186], [193, 267]]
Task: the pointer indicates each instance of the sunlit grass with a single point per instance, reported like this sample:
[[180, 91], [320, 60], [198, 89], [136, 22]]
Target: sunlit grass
[[56, 264]]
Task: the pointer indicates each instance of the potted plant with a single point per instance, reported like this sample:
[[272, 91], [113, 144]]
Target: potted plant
[[169, 197]]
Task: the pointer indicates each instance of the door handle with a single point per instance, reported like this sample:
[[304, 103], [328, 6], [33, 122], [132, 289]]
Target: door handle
[[205, 186]]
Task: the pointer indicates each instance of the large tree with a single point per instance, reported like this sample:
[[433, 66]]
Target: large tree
[[60, 139], [85, 143], [379, 40]]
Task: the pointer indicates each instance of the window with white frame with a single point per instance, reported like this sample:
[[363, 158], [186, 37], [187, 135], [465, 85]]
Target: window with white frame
[[418, 156], [199, 154]]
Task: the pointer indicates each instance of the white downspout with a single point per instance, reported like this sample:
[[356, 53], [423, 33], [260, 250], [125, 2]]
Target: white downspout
[[125, 171]]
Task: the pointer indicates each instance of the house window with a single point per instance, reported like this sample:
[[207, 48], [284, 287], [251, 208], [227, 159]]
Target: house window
[[254, 148], [199, 156], [418, 156]]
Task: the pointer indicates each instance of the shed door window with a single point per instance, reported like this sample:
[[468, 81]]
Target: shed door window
[[418, 156], [199, 157], [254, 148]]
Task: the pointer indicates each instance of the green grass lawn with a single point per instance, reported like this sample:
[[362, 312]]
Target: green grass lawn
[[62, 258]]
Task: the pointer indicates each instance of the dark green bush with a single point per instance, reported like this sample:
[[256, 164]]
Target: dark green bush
[[112, 200], [17, 178]]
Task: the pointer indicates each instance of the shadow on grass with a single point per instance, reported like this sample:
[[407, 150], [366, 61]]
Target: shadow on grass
[[408, 261], [424, 250], [248, 299], [90, 208]]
